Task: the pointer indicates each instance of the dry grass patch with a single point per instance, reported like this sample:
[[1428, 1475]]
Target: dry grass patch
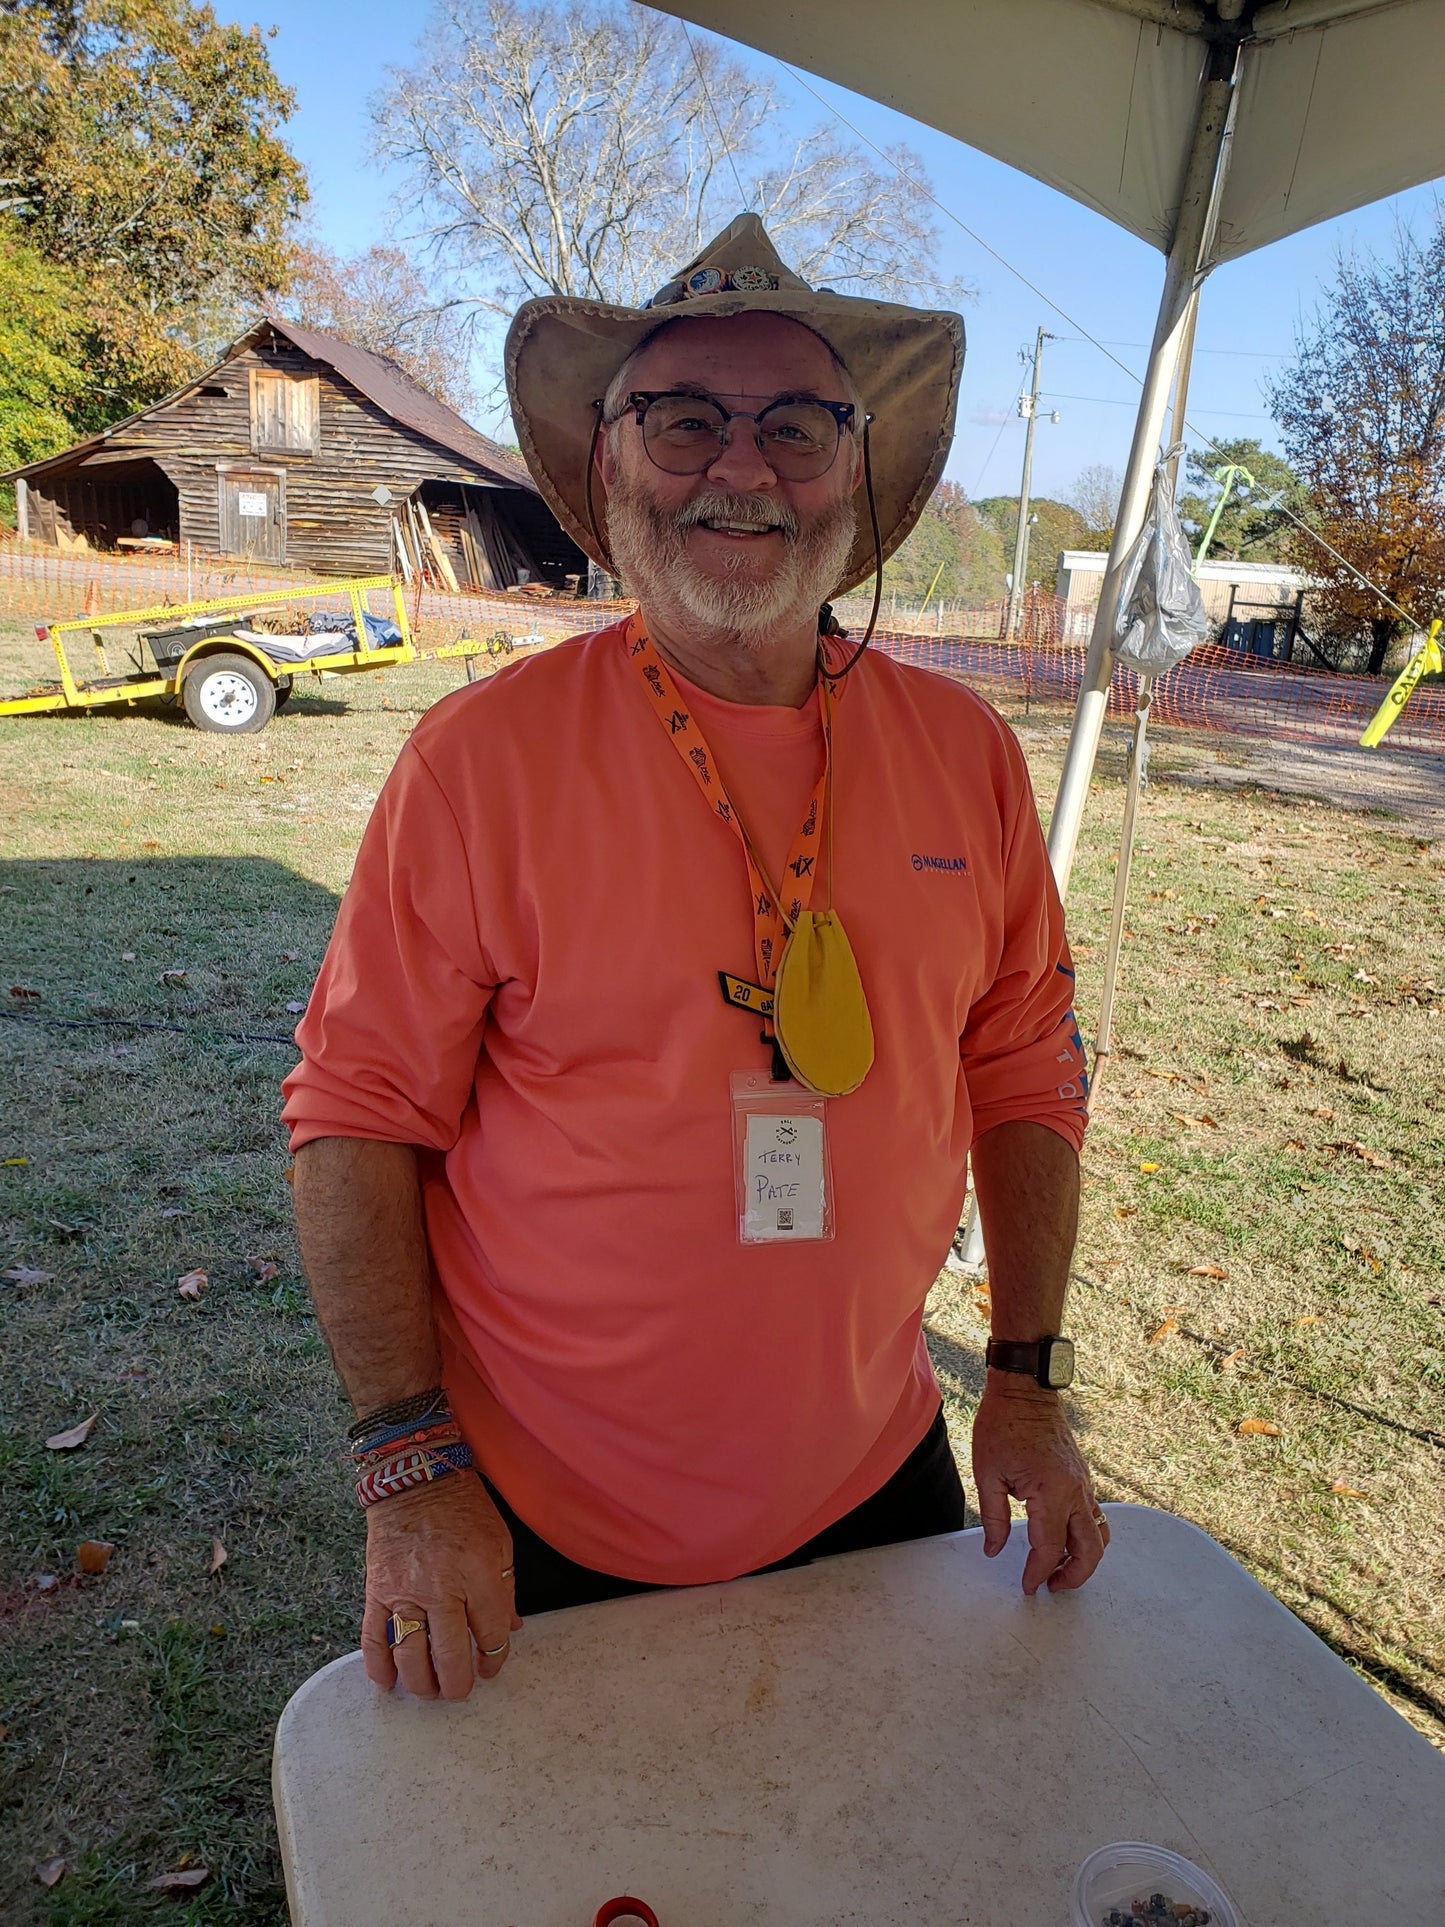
[[138, 1703]]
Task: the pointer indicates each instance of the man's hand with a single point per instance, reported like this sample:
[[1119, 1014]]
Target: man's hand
[[1022, 1446], [441, 1554]]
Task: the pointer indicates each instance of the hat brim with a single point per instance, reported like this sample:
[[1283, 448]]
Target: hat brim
[[562, 353]]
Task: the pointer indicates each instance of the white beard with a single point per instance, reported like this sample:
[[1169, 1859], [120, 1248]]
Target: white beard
[[649, 548]]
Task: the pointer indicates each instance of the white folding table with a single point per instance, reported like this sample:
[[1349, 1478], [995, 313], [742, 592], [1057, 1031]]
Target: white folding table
[[894, 1737]]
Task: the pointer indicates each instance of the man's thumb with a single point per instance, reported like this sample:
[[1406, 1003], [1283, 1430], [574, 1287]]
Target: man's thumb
[[993, 1510]]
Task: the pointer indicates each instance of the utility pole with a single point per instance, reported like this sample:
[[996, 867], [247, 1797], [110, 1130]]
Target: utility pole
[[1029, 409]]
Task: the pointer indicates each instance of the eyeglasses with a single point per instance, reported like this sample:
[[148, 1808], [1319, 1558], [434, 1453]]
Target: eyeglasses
[[685, 434]]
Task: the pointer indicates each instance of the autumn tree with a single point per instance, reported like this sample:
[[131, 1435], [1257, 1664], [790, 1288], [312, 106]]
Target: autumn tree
[[1362, 415], [140, 148], [1254, 525], [590, 149], [381, 301]]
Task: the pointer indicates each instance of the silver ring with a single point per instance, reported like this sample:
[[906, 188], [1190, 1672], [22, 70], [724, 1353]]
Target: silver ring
[[494, 1652], [509, 1572]]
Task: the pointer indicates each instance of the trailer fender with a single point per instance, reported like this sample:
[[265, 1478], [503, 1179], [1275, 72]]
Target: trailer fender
[[224, 646]]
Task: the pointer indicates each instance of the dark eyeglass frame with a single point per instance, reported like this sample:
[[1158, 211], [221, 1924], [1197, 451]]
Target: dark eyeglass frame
[[843, 413]]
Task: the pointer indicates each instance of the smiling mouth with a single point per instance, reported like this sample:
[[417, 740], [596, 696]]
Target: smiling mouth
[[740, 528]]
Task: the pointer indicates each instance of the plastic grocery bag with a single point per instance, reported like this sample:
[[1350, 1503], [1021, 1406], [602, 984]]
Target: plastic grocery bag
[[1160, 616]]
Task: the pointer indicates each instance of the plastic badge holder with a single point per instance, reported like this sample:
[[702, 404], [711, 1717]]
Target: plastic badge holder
[[1130, 1870]]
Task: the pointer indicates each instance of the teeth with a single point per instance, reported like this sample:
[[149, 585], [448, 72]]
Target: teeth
[[741, 528]]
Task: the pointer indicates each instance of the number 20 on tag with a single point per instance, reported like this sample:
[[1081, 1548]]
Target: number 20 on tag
[[783, 1178]]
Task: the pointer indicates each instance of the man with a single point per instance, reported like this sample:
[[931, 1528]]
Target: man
[[681, 970]]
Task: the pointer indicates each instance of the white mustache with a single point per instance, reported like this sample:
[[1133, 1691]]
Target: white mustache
[[719, 507]]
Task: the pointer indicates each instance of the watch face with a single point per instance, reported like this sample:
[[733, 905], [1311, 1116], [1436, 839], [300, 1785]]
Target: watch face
[[1060, 1365]]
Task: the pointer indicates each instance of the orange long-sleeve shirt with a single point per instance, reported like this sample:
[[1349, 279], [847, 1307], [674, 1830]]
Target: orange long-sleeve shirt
[[523, 982]]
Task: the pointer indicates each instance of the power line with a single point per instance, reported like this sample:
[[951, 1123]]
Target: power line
[[722, 137], [1115, 401], [923, 188]]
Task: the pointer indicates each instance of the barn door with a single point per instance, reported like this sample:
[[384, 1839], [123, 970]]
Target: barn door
[[253, 520]]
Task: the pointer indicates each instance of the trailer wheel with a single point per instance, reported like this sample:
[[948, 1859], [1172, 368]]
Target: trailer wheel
[[229, 696]]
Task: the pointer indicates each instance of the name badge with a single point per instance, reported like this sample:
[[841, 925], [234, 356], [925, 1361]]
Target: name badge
[[782, 1172]]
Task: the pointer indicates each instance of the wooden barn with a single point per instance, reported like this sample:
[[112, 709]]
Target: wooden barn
[[301, 449]]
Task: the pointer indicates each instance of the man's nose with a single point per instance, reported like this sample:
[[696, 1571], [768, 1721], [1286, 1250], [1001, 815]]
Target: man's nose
[[739, 463]]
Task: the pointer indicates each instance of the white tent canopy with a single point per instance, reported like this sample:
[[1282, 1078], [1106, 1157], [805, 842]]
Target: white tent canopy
[[1208, 127]]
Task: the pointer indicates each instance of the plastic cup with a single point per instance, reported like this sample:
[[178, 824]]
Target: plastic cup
[[1129, 1870]]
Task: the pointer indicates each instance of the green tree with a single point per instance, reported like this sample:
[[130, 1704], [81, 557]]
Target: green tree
[[1249, 530], [1059, 527], [41, 380], [932, 547], [981, 561], [140, 147]]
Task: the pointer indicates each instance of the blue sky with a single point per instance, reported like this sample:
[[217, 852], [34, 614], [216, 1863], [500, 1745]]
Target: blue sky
[[335, 56]]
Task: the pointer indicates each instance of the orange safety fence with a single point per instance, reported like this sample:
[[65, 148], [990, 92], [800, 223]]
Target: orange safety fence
[[1214, 688]]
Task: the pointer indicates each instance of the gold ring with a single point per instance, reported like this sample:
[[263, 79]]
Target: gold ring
[[1100, 1520], [398, 1629], [492, 1652]]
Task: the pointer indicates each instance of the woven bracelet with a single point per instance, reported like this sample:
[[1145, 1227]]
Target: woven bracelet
[[394, 1476], [396, 1438], [404, 1411]]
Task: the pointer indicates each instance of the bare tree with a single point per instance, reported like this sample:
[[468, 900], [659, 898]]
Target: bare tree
[[381, 301], [1095, 496], [590, 149]]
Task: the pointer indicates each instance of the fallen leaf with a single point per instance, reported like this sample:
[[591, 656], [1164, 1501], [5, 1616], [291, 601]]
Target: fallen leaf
[[289, 956], [1231, 1359], [127, 956], [193, 1284], [19, 990], [171, 977], [180, 1882], [23, 1275], [1346, 1490], [219, 1556], [176, 1211], [1364, 1152], [1294, 1144], [1310, 1318], [263, 1270], [46, 1582], [295, 1007], [1259, 1427], [1364, 977], [49, 1871], [93, 1555], [1324, 1111], [1126, 1210], [1169, 1325], [76, 1435], [1206, 1271], [14, 1160], [1171, 1311], [1146, 1167]]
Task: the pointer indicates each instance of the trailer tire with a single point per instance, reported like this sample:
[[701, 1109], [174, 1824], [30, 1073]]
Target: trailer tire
[[228, 695]]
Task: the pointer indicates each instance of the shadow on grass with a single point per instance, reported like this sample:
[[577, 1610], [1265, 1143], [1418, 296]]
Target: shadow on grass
[[139, 1703]]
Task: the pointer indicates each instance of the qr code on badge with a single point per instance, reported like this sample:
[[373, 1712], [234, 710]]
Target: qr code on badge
[[785, 1218]]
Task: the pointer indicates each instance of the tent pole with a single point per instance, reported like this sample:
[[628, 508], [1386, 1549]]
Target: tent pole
[[1185, 268]]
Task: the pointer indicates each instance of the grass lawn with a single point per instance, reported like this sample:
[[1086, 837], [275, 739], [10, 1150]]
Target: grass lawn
[[1262, 1240]]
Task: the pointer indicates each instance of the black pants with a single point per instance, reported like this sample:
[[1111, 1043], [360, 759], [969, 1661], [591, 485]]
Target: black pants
[[924, 1496]]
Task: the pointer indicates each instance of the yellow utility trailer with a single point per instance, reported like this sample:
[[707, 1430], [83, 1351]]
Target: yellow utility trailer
[[231, 676]]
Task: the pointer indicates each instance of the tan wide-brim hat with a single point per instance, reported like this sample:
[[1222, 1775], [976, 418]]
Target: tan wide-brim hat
[[562, 353]]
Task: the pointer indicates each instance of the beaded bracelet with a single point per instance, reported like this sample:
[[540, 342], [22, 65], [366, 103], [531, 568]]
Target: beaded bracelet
[[403, 1411], [408, 1470]]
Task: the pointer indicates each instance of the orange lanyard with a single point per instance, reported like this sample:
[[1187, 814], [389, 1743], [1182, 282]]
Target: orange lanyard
[[772, 924]]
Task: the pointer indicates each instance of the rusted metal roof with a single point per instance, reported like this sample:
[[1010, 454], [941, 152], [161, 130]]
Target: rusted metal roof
[[379, 379], [383, 382]]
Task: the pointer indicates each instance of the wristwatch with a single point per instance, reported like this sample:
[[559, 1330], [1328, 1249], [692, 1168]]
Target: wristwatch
[[1051, 1361]]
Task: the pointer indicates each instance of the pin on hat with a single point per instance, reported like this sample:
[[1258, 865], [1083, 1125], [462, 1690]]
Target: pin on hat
[[562, 352]]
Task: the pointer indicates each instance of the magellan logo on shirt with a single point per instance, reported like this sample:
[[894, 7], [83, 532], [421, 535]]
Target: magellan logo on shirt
[[955, 864]]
